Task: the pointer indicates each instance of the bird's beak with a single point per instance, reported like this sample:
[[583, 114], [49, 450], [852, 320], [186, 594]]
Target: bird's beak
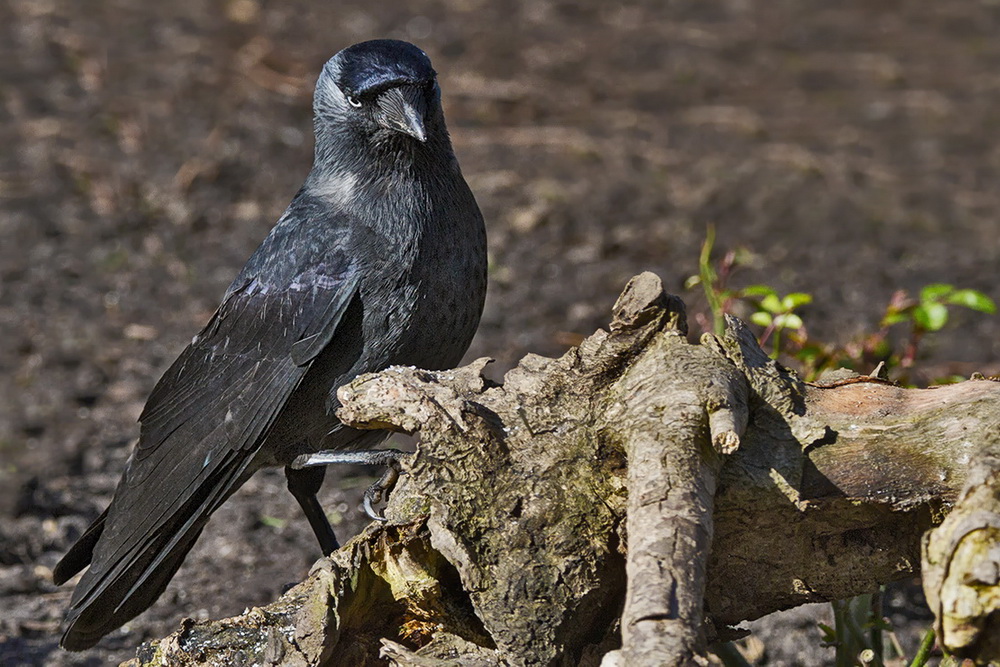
[[402, 109]]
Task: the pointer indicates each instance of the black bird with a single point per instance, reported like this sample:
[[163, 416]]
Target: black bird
[[380, 259]]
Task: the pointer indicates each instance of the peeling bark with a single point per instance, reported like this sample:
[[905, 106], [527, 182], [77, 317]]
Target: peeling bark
[[629, 501]]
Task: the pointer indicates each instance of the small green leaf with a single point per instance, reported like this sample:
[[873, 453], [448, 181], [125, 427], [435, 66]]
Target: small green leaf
[[757, 290], [771, 303], [692, 281], [796, 299], [931, 316], [743, 256], [973, 299], [935, 292], [788, 321], [760, 318]]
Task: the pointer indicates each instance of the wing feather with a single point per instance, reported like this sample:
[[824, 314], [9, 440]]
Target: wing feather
[[200, 430]]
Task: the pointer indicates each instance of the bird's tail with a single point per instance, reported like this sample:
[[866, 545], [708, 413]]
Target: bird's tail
[[121, 601], [130, 569]]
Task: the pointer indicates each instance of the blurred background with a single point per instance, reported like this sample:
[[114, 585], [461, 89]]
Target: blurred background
[[148, 148]]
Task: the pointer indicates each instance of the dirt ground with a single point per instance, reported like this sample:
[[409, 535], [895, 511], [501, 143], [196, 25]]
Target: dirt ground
[[148, 147]]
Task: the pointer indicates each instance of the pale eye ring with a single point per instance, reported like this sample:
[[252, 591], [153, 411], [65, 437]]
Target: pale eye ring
[[353, 101]]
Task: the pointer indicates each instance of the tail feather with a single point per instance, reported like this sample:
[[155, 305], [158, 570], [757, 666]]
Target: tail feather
[[81, 553], [116, 604], [114, 591]]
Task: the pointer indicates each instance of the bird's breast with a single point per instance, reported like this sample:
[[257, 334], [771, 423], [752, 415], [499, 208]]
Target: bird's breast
[[429, 293]]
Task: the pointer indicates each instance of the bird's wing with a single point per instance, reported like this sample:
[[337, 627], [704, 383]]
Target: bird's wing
[[202, 426]]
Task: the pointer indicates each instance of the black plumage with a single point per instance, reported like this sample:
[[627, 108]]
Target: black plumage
[[380, 259]]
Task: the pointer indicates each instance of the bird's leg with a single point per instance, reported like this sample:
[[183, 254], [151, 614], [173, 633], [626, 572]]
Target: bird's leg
[[304, 483], [389, 458]]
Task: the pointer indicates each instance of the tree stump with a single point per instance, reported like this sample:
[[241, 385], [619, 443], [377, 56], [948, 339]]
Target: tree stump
[[632, 501]]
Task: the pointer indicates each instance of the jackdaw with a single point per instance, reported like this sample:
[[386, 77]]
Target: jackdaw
[[380, 259]]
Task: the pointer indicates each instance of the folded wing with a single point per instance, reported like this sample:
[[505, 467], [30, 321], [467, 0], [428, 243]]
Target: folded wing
[[201, 428]]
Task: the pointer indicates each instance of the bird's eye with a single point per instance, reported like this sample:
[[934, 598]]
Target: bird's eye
[[353, 101]]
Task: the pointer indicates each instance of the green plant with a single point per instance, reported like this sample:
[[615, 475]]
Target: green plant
[[775, 313], [782, 324], [713, 281], [771, 311], [857, 632], [929, 312], [924, 651]]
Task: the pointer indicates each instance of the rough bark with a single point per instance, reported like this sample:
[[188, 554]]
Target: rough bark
[[681, 488], [961, 563]]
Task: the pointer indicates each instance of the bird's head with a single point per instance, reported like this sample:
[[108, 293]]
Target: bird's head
[[379, 89]]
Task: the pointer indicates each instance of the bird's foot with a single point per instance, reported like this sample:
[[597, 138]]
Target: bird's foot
[[377, 492], [380, 490]]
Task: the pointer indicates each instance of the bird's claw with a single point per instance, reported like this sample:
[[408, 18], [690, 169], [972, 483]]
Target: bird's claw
[[380, 489]]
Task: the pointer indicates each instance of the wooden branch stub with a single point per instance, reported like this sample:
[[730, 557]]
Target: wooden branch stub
[[643, 300]]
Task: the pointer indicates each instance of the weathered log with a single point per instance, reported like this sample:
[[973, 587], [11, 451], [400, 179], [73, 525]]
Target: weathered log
[[507, 539]]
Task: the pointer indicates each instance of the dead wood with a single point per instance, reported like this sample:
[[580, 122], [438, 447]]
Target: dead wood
[[630, 501], [961, 564]]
